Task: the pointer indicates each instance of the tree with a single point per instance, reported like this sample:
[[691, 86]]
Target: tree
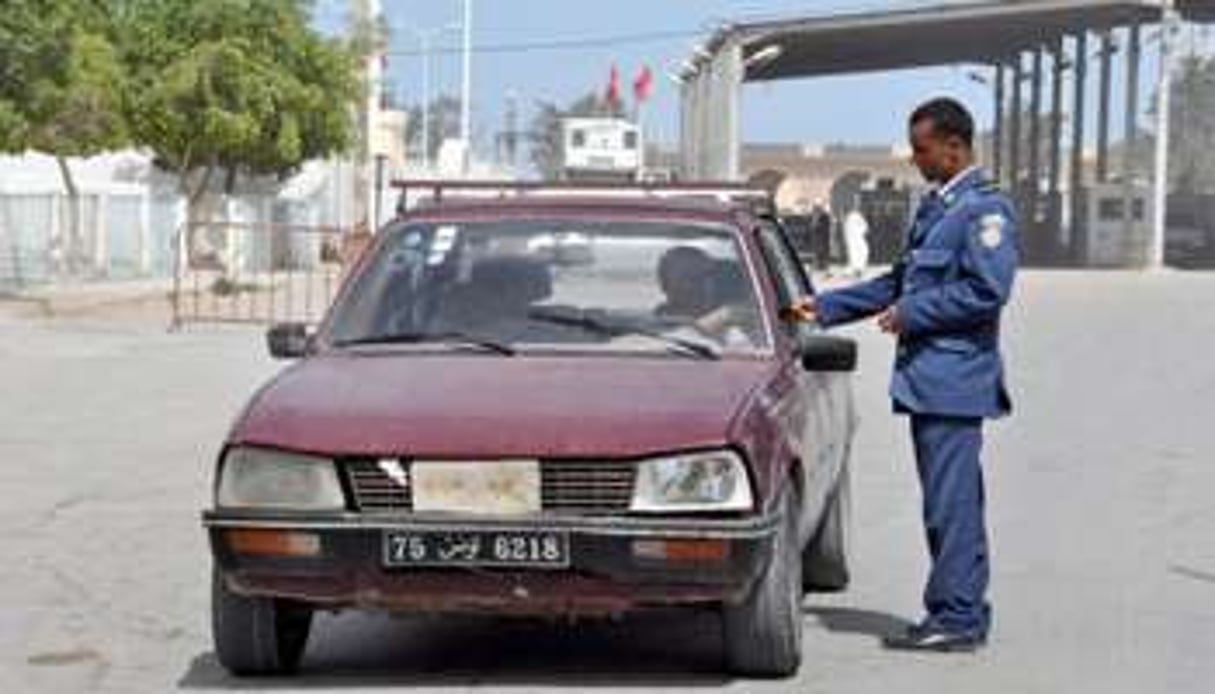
[[1192, 126], [444, 123], [545, 136], [61, 89], [234, 87]]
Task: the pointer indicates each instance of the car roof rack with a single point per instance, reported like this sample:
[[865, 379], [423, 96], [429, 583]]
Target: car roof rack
[[424, 192]]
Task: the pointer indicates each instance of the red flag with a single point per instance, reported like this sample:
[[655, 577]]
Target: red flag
[[643, 85], [613, 89]]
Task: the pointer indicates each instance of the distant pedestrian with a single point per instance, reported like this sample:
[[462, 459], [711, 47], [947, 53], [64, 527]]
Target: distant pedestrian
[[856, 242], [821, 224]]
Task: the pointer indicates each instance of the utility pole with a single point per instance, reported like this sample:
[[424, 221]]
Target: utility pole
[[426, 39], [1170, 23], [375, 102], [365, 17], [424, 36], [466, 98]]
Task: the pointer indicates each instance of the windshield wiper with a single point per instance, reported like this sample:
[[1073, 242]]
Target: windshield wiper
[[415, 338], [602, 326]]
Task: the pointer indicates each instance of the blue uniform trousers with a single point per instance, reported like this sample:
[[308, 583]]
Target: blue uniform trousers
[[947, 456]]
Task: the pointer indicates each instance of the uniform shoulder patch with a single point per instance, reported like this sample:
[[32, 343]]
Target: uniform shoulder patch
[[991, 230]]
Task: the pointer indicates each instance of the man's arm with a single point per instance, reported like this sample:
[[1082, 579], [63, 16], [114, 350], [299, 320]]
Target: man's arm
[[858, 301], [988, 269]]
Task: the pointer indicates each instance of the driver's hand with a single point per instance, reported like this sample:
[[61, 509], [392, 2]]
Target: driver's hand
[[715, 321], [803, 310]]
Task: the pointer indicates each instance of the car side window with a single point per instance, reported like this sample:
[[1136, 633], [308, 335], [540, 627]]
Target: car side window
[[788, 253], [791, 282]]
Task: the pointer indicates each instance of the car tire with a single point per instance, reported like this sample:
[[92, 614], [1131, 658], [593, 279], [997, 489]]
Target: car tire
[[825, 558], [257, 636], [763, 633]]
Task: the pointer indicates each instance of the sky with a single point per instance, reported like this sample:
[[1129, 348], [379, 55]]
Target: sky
[[868, 109]]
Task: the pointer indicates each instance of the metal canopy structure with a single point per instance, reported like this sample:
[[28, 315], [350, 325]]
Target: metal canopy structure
[[968, 33], [1029, 44], [1197, 10]]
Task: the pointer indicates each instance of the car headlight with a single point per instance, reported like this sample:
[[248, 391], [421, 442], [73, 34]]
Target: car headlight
[[715, 481], [263, 478]]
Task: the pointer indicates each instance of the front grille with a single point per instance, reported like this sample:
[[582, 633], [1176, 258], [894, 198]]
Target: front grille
[[586, 488], [375, 490], [569, 487]]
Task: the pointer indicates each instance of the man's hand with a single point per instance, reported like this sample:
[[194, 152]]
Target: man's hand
[[804, 310], [889, 321]]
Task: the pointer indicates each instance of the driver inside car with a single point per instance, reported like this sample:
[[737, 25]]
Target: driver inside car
[[707, 295]]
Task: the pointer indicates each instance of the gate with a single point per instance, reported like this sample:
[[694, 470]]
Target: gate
[[258, 273]]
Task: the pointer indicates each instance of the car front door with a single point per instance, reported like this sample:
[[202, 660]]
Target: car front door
[[813, 412]]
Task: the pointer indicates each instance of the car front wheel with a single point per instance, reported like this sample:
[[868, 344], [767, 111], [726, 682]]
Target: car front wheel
[[763, 634], [257, 636]]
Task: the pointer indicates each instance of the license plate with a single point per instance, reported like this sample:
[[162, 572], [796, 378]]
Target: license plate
[[501, 487], [550, 550]]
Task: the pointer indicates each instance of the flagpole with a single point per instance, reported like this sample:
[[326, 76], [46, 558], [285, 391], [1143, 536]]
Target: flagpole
[[641, 144]]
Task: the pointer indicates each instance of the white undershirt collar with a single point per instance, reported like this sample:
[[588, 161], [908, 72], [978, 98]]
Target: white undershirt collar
[[953, 182]]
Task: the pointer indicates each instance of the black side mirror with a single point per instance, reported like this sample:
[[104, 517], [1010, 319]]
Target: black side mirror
[[827, 353], [288, 341]]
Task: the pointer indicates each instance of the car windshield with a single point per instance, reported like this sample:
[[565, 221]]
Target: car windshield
[[538, 283]]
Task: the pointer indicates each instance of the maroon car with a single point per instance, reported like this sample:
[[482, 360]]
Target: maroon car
[[477, 426]]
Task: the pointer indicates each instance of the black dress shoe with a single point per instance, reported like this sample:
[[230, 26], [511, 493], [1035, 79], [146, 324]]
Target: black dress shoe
[[934, 640]]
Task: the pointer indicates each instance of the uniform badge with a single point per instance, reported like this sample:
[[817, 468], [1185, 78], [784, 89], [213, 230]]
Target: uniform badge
[[991, 231]]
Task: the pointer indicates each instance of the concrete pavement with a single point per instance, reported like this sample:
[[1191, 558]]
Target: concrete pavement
[[1102, 499]]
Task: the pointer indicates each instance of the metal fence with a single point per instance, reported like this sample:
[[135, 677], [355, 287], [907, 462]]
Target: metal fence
[[258, 273], [122, 233]]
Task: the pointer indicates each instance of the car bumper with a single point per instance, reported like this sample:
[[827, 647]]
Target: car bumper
[[613, 566]]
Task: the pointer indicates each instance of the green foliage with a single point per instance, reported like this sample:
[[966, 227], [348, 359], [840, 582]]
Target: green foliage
[[61, 80], [240, 85]]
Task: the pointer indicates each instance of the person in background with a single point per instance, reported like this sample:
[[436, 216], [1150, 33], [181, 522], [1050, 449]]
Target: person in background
[[821, 223], [856, 242]]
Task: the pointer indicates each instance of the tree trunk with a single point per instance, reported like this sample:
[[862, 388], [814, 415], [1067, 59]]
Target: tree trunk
[[72, 255], [197, 249]]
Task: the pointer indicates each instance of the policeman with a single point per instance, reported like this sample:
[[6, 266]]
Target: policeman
[[943, 300]]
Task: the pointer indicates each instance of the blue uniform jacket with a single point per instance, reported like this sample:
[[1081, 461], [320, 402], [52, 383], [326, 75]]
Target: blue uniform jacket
[[951, 283]]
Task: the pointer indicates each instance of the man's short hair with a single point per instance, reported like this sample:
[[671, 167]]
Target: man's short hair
[[949, 119]]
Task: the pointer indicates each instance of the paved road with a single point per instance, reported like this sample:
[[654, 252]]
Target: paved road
[[1102, 508]]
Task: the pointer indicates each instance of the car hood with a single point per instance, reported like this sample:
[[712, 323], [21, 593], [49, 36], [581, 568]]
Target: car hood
[[457, 406]]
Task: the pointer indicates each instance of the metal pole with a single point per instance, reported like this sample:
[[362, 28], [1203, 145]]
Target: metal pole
[[379, 191], [1035, 134], [997, 137], [1055, 216], [374, 106], [1014, 134], [1103, 115], [1163, 120], [1077, 225], [1131, 137], [730, 74], [1031, 193], [425, 37], [466, 99]]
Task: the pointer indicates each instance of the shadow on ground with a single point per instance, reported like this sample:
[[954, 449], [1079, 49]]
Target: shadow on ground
[[847, 620], [663, 650]]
